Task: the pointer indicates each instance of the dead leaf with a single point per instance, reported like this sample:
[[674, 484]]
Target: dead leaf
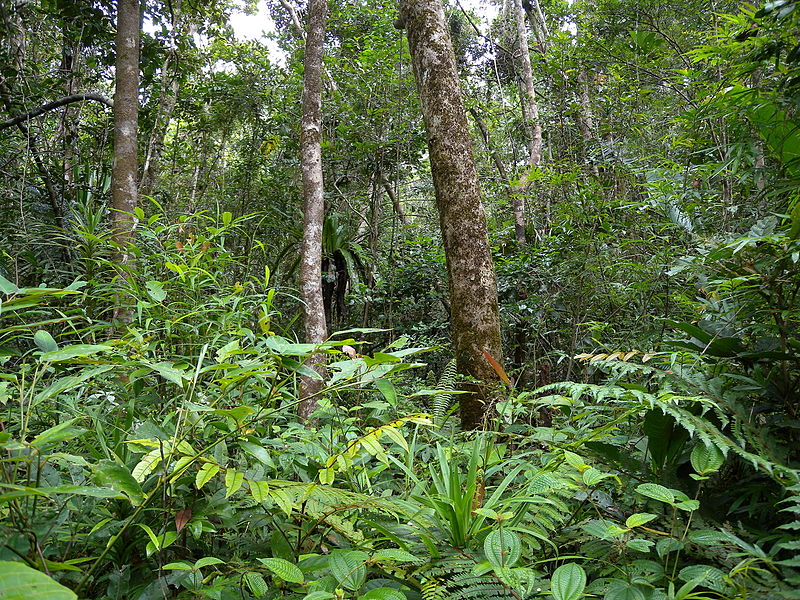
[[182, 517]]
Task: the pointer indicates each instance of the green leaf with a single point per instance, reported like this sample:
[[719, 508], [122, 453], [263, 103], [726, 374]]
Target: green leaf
[[283, 569], [207, 561], [118, 477], [256, 584], [178, 566], [156, 291], [168, 371], [568, 582], [709, 576], [44, 341], [347, 566], [259, 490], [688, 505], [502, 548], [386, 388], [383, 593], [283, 500], [623, 590], [7, 287], [205, 474], [59, 433], [640, 544], [149, 462], [666, 545], [319, 595], [74, 351], [592, 476], [656, 492], [233, 481], [20, 582], [706, 459], [395, 555], [639, 519], [707, 537]]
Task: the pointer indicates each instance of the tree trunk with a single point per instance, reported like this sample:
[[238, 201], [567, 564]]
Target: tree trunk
[[475, 318], [534, 127], [313, 204], [124, 194]]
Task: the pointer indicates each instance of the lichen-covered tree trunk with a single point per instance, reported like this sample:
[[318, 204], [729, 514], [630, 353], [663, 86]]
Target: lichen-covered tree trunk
[[532, 124], [313, 203], [475, 319], [124, 195]]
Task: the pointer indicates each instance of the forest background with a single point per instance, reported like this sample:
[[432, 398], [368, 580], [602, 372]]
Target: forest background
[[168, 427]]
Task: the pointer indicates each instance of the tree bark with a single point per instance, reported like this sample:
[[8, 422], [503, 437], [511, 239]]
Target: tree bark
[[475, 321], [313, 204], [124, 196], [532, 124]]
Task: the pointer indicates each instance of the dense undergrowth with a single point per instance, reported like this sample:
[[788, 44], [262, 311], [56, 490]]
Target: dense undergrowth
[[161, 459]]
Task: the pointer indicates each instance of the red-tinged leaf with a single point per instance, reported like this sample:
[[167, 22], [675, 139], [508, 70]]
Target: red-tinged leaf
[[497, 368], [182, 517]]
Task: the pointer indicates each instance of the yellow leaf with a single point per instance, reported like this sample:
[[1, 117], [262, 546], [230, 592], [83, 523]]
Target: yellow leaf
[[259, 490], [233, 481], [204, 475]]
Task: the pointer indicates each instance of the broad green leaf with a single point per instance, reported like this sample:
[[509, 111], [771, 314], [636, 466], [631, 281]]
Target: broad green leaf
[[319, 595], [7, 287], [707, 537], [44, 341], [164, 541], [592, 476], [383, 593], [74, 351], [207, 561], [395, 435], [347, 566], [502, 548], [639, 519], [149, 462], [256, 584], [688, 505], [283, 500], [666, 545], [623, 590], [168, 371], [18, 581], [568, 582], [118, 477], [178, 566], [259, 490], [258, 452], [59, 433], [640, 544], [706, 459], [393, 554], [709, 576], [156, 291], [205, 474], [233, 481], [386, 388], [283, 569], [326, 476], [656, 492]]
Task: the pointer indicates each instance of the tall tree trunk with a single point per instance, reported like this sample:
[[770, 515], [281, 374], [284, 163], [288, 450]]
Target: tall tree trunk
[[475, 320], [124, 194], [313, 203], [534, 127]]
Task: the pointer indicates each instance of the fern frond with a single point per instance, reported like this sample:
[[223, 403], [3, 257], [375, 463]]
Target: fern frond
[[442, 403]]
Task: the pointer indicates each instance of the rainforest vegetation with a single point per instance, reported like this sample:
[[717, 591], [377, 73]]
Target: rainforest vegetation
[[413, 300]]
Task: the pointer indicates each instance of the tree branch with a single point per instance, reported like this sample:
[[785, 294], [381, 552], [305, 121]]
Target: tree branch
[[40, 110]]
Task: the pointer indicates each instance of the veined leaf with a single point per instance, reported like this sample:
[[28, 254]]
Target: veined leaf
[[568, 582], [233, 481], [259, 490], [18, 581], [283, 569], [205, 474]]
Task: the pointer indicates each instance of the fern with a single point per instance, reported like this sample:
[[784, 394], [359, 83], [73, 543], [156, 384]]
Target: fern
[[677, 392], [453, 577], [442, 403]]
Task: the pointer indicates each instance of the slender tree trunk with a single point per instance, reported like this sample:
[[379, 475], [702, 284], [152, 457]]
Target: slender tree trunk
[[124, 173], [313, 203], [534, 127], [475, 318], [155, 145]]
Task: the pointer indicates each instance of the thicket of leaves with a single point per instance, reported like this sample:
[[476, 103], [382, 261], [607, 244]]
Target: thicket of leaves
[[649, 447]]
